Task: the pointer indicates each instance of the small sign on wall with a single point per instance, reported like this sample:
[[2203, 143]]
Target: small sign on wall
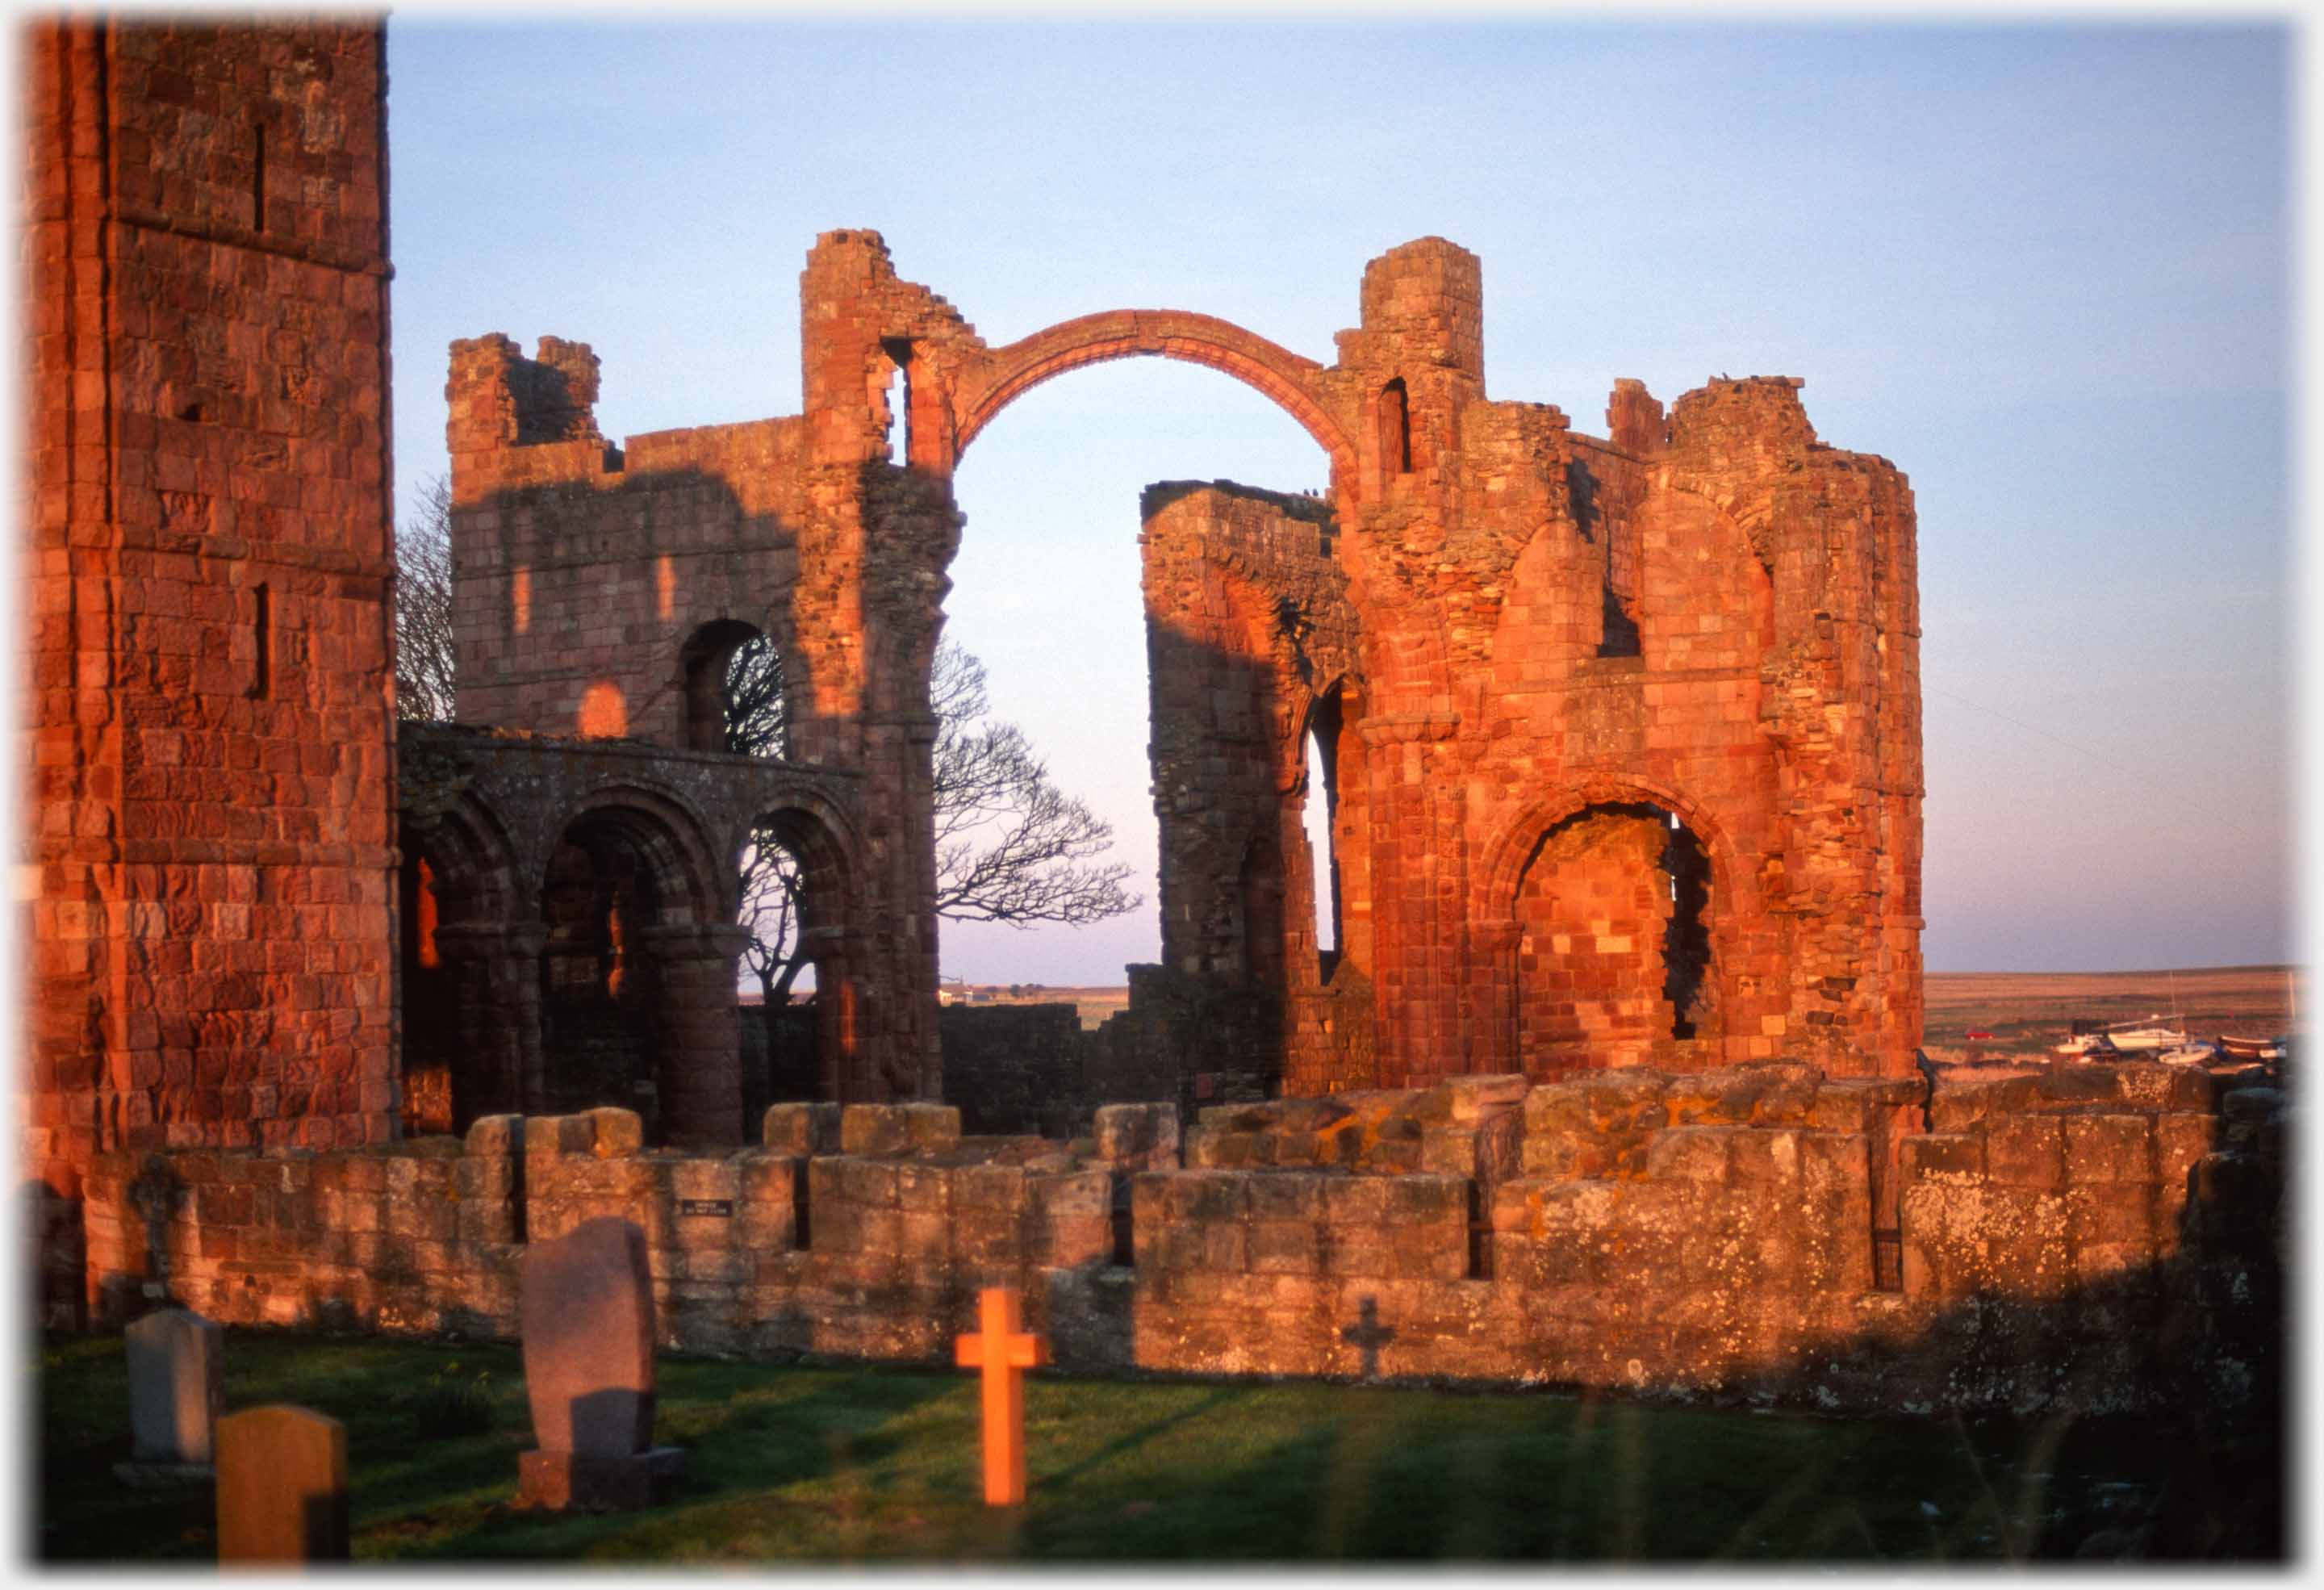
[[715, 1209]]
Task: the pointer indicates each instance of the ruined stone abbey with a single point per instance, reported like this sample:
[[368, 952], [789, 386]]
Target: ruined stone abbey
[[1621, 750], [1620, 736]]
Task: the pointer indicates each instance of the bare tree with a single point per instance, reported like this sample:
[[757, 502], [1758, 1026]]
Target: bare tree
[[424, 608], [1010, 847]]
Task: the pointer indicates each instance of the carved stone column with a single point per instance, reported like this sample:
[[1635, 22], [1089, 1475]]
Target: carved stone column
[[496, 977], [701, 1066]]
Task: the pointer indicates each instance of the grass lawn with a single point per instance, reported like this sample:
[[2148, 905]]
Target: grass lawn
[[850, 1464]]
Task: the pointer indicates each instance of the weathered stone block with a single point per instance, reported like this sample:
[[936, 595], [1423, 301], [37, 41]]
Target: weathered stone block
[[1476, 1099], [1835, 1162], [1427, 1198], [1952, 1156], [1423, 1254], [2109, 1148], [868, 1182], [1208, 1196], [553, 1135], [990, 1189], [895, 1129], [924, 1189], [1073, 1239], [1283, 1247], [1225, 1247], [1355, 1200], [496, 1135], [707, 1179], [1768, 1159], [1139, 1135], [2181, 1139], [616, 1133], [1689, 1153], [2026, 1151], [1355, 1251], [1150, 1200], [1450, 1151], [1082, 1194], [801, 1130], [1840, 1109], [2111, 1213], [1287, 1195]]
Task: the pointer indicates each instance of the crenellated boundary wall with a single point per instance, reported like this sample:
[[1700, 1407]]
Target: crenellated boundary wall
[[2086, 1238]]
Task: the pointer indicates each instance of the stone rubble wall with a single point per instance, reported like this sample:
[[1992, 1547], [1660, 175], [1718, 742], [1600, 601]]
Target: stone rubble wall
[[1016, 1068], [1479, 1231]]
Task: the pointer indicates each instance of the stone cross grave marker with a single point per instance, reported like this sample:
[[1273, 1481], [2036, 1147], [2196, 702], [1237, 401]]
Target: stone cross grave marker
[[1004, 1351], [282, 1486], [176, 1362], [589, 1323]]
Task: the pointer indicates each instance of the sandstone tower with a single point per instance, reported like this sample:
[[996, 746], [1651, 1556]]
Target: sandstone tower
[[209, 569]]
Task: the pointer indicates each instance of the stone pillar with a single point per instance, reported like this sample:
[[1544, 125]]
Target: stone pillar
[[919, 1054], [701, 1068], [1492, 988], [496, 979], [1417, 903]]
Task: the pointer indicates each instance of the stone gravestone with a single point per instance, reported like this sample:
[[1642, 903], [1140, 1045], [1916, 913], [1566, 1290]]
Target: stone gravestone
[[282, 1486], [176, 1359], [588, 1322]]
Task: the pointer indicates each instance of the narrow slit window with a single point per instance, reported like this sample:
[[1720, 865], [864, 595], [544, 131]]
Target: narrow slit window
[[257, 177], [900, 401], [1316, 818], [1321, 819], [1395, 428], [261, 673]]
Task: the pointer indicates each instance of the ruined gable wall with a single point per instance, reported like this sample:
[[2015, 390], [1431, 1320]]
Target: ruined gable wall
[[1757, 698], [578, 567], [210, 557]]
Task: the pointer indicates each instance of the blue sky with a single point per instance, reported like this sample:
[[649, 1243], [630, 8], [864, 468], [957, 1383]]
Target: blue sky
[[2044, 269]]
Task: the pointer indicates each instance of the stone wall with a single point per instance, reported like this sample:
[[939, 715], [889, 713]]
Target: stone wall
[[1684, 1235], [206, 503], [1016, 1068]]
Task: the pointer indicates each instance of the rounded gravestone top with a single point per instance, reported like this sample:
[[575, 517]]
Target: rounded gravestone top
[[588, 1326]]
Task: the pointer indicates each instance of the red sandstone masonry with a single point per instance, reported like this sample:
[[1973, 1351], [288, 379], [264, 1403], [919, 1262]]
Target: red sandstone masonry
[[207, 501], [1544, 647]]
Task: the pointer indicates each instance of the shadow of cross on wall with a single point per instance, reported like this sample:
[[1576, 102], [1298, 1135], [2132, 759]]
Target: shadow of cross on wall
[[1368, 1334], [156, 1194]]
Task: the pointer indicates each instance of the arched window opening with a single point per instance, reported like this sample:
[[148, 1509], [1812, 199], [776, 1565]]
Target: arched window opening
[[736, 697], [1395, 428], [781, 1057], [600, 1023], [793, 976], [1319, 817], [1614, 952]]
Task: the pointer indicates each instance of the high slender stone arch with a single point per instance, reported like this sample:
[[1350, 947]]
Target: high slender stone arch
[[1282, 377]]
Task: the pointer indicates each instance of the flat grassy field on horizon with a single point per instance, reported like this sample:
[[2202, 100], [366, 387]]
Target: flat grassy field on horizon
[[2025, 1011]]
